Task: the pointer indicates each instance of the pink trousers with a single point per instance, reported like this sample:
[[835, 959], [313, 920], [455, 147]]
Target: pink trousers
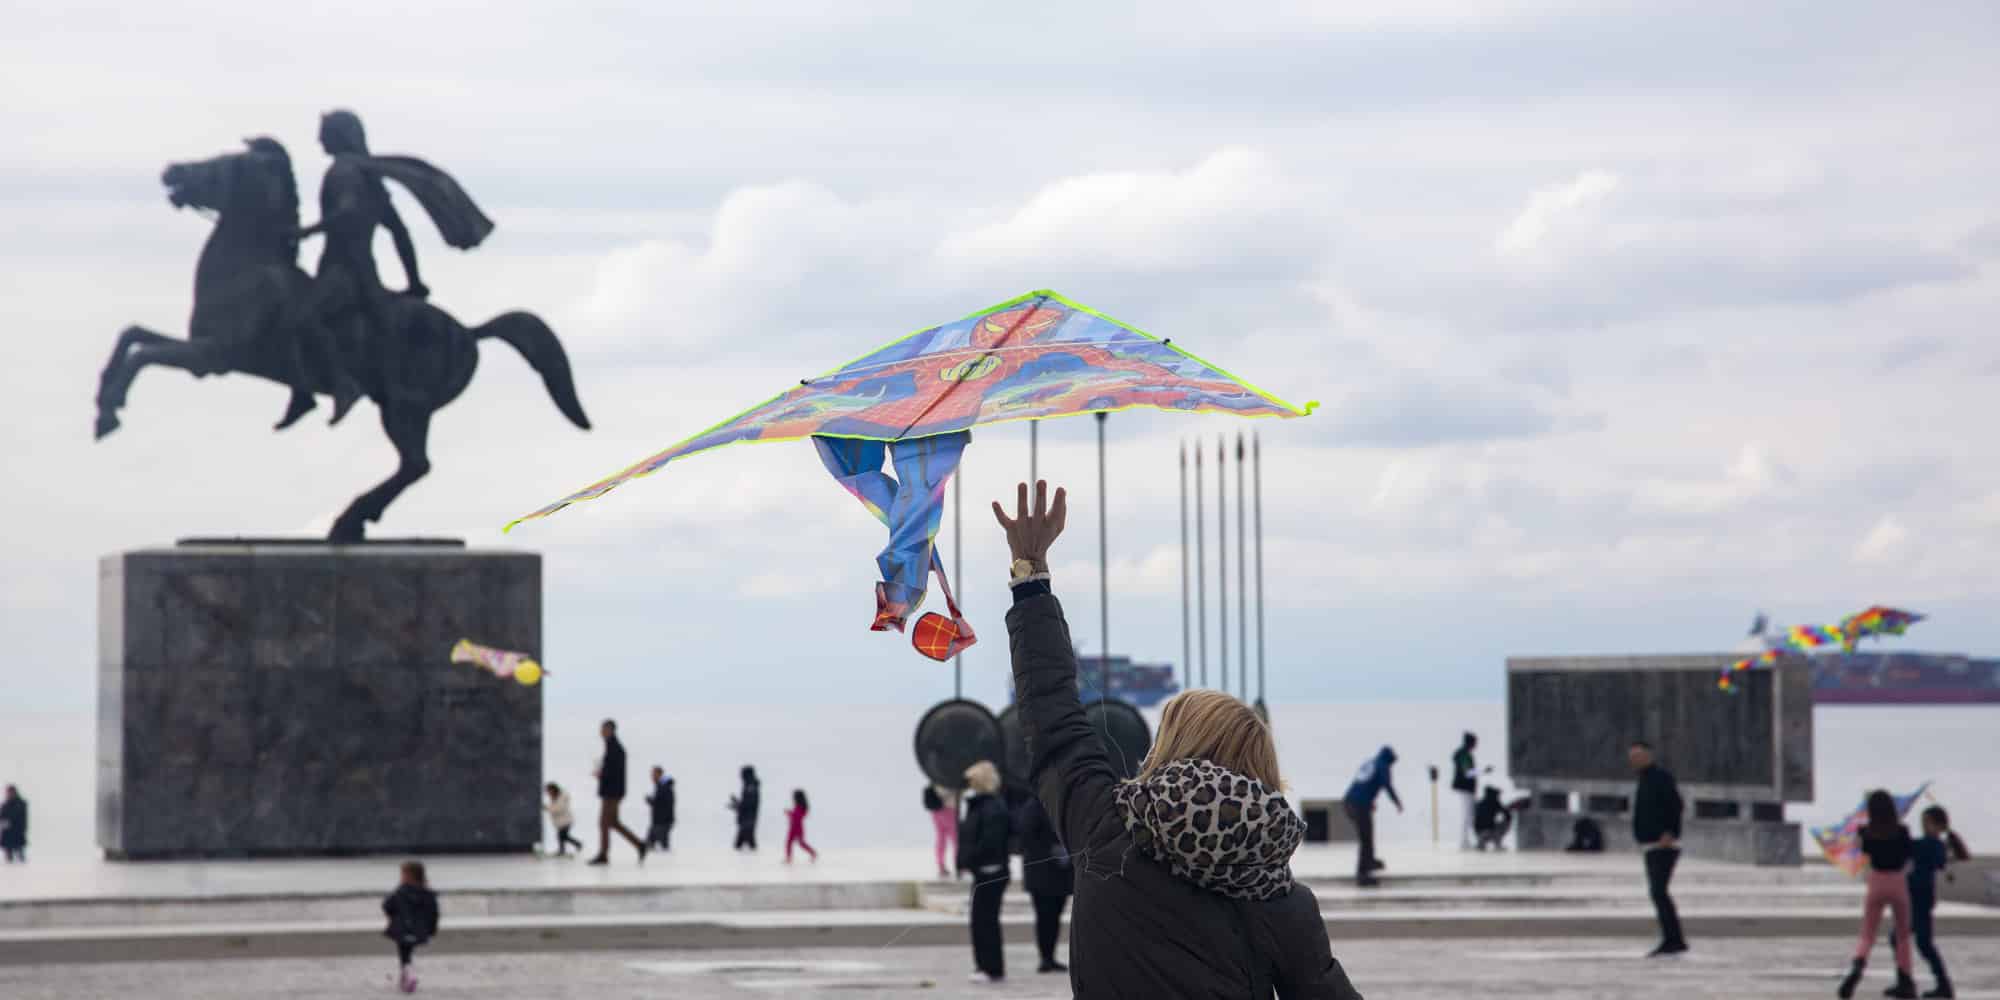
[[946, 822], [1886, 890]]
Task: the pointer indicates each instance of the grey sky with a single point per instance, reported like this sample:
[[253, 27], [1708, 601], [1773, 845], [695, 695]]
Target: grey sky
[[1627, 320]]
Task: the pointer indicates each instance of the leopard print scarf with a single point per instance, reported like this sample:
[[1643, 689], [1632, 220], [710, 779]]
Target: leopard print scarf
[[1221, 830]]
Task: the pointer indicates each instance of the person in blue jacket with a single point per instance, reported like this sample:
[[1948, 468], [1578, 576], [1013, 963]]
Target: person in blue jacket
[[1372, 780]]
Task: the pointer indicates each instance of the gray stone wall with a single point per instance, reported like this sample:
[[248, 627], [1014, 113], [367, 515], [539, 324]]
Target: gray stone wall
[[298, 699], [1570, 720], [1740, 841]]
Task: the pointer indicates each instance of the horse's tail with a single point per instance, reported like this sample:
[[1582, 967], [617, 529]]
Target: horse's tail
[[526, 333]]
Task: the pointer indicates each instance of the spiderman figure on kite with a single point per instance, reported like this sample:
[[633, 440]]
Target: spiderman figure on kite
[[893, 425]]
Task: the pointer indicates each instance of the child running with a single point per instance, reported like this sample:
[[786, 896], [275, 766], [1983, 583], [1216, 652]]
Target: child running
[[796, 816], [1886, 842], [562, 819], [413, 918], [1934, 851]]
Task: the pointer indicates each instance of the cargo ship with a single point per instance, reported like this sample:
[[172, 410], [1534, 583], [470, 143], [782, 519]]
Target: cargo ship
[[1142, 684], [1905, 679]]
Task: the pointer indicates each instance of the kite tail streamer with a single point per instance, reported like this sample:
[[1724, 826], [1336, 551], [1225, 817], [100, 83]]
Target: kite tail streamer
[[911, 504]]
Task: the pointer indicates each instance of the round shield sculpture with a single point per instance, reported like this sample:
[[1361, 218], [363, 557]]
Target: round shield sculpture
[[953, 736]]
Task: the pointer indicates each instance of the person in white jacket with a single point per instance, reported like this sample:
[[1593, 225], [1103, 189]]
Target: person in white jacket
[[562, 819]]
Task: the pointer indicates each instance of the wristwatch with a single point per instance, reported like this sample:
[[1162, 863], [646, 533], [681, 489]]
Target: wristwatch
[[1024, 571]]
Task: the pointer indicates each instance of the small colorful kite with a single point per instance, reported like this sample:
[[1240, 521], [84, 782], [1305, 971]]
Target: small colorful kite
[[1875, 622], [913, 403], [501, 662], [1841, 842]]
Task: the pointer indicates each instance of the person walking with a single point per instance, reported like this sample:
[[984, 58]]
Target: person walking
[[14, 826], [1465, 784], [1656, 828], [660, 831], [745, 803], [1159, 911], [610, 793], [942, 804], [795, 826], [1935, 850], [1369, 782], [1886, 842], [413, 920], [982, 850], [562, 817], [1048, 877]]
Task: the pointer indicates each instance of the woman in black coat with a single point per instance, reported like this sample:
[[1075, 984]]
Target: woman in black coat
[[983, 834], [1183, 874], [1046, 874]]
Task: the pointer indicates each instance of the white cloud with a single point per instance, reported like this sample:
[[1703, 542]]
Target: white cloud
[[1887, 541], [1229, 206], [1553, 206]]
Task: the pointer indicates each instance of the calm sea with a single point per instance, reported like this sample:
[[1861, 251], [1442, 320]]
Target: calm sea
[[857, 763]]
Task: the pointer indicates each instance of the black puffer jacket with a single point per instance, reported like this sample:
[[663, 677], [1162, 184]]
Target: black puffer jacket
[[1138, 929], [983, 834]]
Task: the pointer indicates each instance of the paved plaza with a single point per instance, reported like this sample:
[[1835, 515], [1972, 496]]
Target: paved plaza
[[1403, 970]]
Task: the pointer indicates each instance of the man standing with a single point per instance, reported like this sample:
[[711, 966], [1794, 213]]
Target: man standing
[[1656, 828], [14, 826], [1370, 781], [611, 792], [662, 801], [1465, 782]]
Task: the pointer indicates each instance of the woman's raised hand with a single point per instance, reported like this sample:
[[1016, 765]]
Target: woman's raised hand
[[1030, 533]]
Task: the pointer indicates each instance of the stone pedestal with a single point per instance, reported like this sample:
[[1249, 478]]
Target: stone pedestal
[[1748, 842], [284, 699]]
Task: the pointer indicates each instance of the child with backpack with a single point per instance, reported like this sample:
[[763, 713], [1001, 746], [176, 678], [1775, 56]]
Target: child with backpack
[[413, 919]]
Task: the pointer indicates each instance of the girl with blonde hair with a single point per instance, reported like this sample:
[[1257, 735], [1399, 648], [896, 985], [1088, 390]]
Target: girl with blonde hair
[[1184, 885]]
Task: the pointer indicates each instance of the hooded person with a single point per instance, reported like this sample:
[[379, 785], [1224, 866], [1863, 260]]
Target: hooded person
[[1183, 885], [1369, 782], [745, 803], [346, 290]]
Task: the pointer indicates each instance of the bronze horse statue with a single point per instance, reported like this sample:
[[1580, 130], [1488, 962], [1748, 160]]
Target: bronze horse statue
[[246, 281]]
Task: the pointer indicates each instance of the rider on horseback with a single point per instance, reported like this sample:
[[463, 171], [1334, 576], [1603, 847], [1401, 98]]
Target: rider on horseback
[[347, 290]]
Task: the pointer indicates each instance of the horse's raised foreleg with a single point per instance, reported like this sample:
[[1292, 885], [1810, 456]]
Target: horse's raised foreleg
[[409, 430], [136, 349]]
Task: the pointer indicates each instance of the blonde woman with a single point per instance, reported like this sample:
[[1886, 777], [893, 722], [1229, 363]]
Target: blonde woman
[[982, 851], [1183, 875]]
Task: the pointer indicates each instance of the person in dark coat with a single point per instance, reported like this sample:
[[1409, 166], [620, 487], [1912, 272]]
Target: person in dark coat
[[413, 919], [745, 804], [1465, 784], [983, 836], [1164, 907], [1369, 782], [1656, 828], [14, 826], [1046, 874], [661, 829], [610, 793], [1491, 820], [1934, 851]]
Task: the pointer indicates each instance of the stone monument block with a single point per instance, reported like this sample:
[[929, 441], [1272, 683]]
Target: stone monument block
[[262, 698], [1738, 757]]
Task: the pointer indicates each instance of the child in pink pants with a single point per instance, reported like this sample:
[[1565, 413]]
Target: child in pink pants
[[796, 823], [1887, 844], [944, 819]]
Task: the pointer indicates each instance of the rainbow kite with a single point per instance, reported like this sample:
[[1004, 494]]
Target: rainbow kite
[[1841, 842], [1873, 622], [913, 403], [502, 663]]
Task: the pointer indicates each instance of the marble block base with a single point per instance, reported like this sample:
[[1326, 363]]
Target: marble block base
[[287, 699], [1748, 842]]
